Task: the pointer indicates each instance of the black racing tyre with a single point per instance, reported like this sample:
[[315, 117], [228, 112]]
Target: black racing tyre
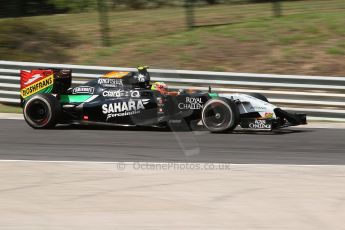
[[259, 96], [220, 115], [42, 111]]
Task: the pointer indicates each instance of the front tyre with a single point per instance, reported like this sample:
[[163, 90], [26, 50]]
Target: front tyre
[[220, 115], [42, 111]]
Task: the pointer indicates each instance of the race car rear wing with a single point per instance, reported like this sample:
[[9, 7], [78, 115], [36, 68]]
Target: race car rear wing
[[55, 81]]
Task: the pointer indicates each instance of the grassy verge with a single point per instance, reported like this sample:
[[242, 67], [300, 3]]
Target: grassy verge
[[308, 39], [10, 109]]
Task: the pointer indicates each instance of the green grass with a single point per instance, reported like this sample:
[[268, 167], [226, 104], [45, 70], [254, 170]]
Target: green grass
[[246, 39], [10, 109], [336, 51], [28, 40]]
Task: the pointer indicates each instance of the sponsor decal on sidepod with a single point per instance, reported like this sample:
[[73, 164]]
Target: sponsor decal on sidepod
[[124, 108], [121, 93], [110, 82], [83, 90], [191, 103]]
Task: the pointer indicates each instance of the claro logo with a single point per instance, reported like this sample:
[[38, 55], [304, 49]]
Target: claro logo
[[121, 93]]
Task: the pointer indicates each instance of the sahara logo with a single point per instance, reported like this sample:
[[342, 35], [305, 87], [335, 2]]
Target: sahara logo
[[191, 103], [124, 108], [37, 86]]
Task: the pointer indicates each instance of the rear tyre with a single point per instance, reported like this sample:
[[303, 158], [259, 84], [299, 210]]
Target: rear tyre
[[220, 115], [42, 111], [259, 96]]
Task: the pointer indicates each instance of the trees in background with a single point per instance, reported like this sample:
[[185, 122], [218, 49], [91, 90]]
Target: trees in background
[[75, 5], [18, 8], [28, 40]]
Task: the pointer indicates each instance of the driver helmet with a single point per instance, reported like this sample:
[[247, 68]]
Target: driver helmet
[[160, 86]]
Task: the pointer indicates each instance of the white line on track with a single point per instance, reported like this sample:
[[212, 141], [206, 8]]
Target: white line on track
[[11, 116], [162, 163]]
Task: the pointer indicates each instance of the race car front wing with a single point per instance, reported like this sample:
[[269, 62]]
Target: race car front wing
[[284, 119]]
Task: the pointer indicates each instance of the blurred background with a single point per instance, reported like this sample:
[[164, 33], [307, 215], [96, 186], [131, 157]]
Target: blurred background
[[286, 37]]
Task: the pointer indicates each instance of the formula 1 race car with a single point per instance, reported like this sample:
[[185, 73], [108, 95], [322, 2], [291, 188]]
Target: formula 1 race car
[[129, 99]]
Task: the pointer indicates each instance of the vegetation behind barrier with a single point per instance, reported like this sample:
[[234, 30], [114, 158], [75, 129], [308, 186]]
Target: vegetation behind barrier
[[18, 8], [307, 39], [27, 40]]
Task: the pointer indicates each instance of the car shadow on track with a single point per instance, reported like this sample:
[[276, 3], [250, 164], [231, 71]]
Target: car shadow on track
[[274, 132], [111, 128], [167, 129]]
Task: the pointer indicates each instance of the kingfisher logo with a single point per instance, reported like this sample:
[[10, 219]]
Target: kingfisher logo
[[124, 108]]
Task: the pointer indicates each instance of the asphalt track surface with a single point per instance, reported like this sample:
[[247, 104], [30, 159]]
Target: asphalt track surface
[[109, 144]]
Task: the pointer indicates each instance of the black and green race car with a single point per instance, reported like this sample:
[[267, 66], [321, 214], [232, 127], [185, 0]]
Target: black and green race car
[[126, 99]]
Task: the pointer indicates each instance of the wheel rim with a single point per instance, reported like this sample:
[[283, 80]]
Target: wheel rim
[[216, 116], [38, 112]]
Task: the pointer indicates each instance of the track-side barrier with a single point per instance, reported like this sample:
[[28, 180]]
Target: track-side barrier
[[321, 97]]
